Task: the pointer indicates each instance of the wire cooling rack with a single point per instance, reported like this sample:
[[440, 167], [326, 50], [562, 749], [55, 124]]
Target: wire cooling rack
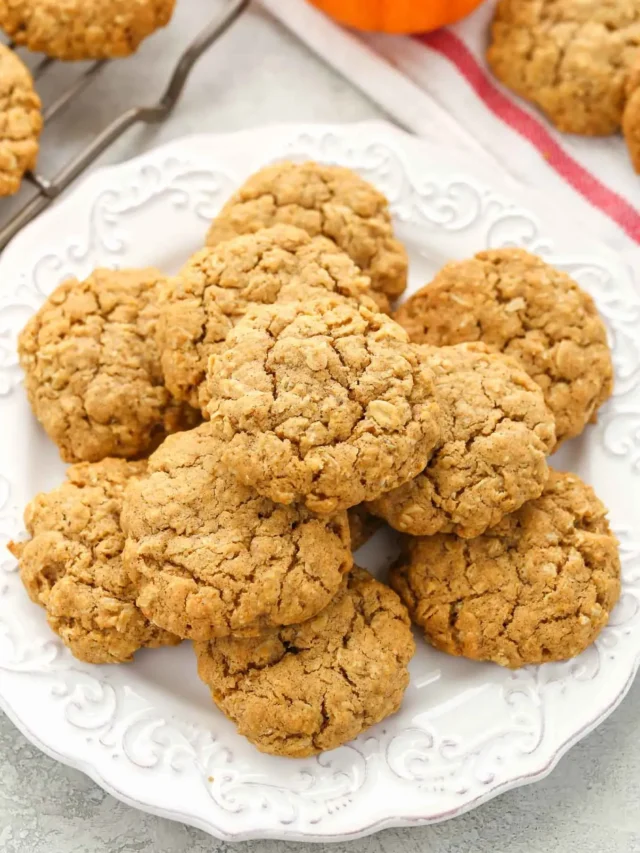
[[49, 189]]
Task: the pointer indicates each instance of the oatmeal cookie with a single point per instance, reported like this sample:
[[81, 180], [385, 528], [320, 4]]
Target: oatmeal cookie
[[72, 565], [362, 525], [518, 305], [20, 121], [496, 434], [322, 402], [83, 29], [537, 587], [631, 116], [572, 59], [218, 285], [92, 369], [312, 687], [213, 558], [328, 200]]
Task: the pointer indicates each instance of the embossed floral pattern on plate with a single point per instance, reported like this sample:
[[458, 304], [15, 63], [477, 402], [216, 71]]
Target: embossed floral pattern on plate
[[147, 732]]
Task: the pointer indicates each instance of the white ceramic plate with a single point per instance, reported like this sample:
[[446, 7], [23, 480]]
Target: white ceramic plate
[[147, 732]]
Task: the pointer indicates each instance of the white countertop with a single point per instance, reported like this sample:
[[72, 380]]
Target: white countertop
[[256, 74]]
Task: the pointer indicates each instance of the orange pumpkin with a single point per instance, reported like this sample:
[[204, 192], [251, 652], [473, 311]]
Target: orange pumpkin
[[397, 16]]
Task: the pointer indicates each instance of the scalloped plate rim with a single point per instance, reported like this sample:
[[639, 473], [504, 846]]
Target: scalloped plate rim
[[279, 835]]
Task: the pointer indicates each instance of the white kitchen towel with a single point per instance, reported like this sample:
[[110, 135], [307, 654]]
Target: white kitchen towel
[[439, 87]]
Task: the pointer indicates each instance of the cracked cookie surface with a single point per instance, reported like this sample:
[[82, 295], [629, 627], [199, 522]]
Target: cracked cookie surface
[[322, 402], [20, 121], [572, 59], [496, 434], [92, 369], [537, 587], [72, 565], [312, 687], [213, 558], [83, 29], [218, 285], [328, 200], [517, 304]]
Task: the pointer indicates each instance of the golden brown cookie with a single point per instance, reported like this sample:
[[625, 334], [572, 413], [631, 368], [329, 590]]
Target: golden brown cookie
[[569, 57], [537, 587], [321, 199], [322, 402], [20, 121], [312, 687], [83, 29], [218, 285], [518, 305], [362, 525], [496, 434], [213, 558], [72, 565], [92, 368], [631, 116]]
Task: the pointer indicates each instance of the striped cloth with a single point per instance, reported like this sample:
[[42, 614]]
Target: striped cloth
[[438, 86]]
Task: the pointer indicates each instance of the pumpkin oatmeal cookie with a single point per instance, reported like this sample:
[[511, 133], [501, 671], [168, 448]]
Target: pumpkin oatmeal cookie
[[83, 29], [537, 587], [312, 687], [496, 434], [218, 285], [20, 121], [322, 402], [72, 565], [518, 305], [328, 200], [571, 58], [92, 369], [212, 558], [631, 117]]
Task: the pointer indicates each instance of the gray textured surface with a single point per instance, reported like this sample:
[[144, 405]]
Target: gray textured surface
[[588, 804]]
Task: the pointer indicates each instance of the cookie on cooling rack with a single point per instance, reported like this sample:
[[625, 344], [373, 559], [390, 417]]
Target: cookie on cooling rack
[[92, 368], [323, 402], [212, 558], [321, 199], [312, 687], [83, 29], [72, 565], [537, 587], [496, 434], [218, 285], [518, 305], [20, 121]]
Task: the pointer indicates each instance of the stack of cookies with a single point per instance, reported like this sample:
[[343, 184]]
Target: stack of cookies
[[237, 431]]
